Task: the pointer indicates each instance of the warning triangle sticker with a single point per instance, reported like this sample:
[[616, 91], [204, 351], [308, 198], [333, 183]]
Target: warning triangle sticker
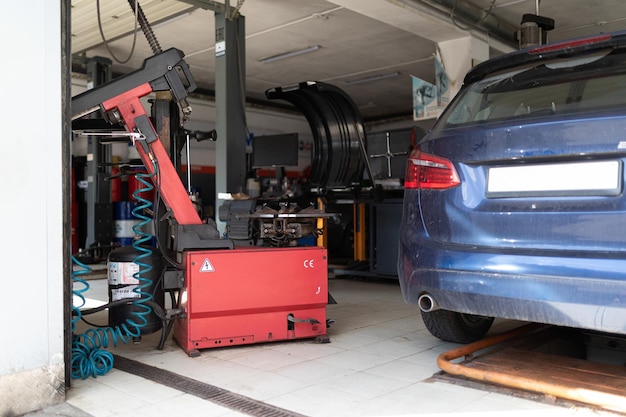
[[207, 266]]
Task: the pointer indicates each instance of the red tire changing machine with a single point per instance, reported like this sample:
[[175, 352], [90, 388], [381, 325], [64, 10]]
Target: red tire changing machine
[[227, 296]]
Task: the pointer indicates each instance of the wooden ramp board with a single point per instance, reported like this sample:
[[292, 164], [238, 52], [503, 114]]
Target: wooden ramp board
[[575, 375], [566, 378]]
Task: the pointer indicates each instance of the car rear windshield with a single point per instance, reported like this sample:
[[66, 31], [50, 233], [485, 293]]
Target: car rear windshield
[[573, 85]]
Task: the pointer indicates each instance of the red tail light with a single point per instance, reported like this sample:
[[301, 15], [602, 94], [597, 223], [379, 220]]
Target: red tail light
[[427, 171], [570, 44]]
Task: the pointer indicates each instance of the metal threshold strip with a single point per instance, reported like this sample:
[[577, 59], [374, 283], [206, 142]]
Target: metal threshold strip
[[590, 383], [216, 395]]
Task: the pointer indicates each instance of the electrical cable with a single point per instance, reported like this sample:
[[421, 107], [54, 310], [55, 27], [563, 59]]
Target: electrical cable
[[106, 42], [78, 293], [157, 206], [473, 25], [85, 362], [231, 15], [167, 324], [241, 79], [105, 306], [93, 324]]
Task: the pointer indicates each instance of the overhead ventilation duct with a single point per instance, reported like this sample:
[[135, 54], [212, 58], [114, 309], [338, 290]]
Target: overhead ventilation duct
[[467, 16], [338, 132]]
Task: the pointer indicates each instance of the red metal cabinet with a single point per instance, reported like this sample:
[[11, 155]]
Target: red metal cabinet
[[252, 295]]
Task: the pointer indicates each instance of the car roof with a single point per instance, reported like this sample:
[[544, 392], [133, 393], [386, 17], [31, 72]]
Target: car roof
[[548, 51]]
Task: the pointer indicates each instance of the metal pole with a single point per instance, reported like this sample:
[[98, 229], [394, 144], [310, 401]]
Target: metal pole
[[188, 166]]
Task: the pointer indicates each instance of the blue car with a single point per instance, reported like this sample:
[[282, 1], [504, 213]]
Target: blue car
[[514, 202]]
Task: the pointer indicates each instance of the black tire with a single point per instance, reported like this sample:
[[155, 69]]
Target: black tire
[[456, 327]]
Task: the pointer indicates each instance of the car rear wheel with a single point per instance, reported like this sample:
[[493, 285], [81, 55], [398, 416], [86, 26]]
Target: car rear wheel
[[456, 327]]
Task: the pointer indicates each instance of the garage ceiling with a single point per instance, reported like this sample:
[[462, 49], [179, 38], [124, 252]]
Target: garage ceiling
[[353, 39]]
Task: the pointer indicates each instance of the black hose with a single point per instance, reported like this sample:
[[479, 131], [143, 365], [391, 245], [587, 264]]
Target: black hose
[[145, 27], [104, 306], [338, 132]]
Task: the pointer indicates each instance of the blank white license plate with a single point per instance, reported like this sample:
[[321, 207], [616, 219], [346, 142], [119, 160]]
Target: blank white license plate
[[579, 178]]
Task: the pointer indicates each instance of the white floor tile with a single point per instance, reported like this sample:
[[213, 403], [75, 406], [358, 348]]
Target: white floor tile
[[432, 398], [190, 405], [317, 400], [355, 360], [269, 359], [263, 385], [313, 372], [411, 372], [102, 400], [350, 339], [308, 349], [366, 385], [379, 363]]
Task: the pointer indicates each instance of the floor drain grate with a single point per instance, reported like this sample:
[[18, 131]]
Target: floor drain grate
[[220, 396]]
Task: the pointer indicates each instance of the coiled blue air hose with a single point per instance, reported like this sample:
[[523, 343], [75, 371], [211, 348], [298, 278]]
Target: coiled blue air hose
[[89, 359]]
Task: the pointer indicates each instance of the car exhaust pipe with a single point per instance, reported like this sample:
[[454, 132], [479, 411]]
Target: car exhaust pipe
[[427, 303]]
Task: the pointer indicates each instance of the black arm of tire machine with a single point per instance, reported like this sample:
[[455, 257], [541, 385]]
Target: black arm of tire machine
[[164, 71], [119, 102]]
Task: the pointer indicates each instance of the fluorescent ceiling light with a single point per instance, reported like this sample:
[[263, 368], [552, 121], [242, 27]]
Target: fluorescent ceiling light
[[290, 54], [373, 78]]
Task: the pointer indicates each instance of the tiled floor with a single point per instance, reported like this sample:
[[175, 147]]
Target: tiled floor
[[378, 364]]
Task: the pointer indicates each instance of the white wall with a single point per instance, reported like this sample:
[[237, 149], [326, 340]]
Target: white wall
[[31, 287]]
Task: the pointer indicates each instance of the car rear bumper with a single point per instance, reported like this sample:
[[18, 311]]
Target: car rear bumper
[[565, 291]]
